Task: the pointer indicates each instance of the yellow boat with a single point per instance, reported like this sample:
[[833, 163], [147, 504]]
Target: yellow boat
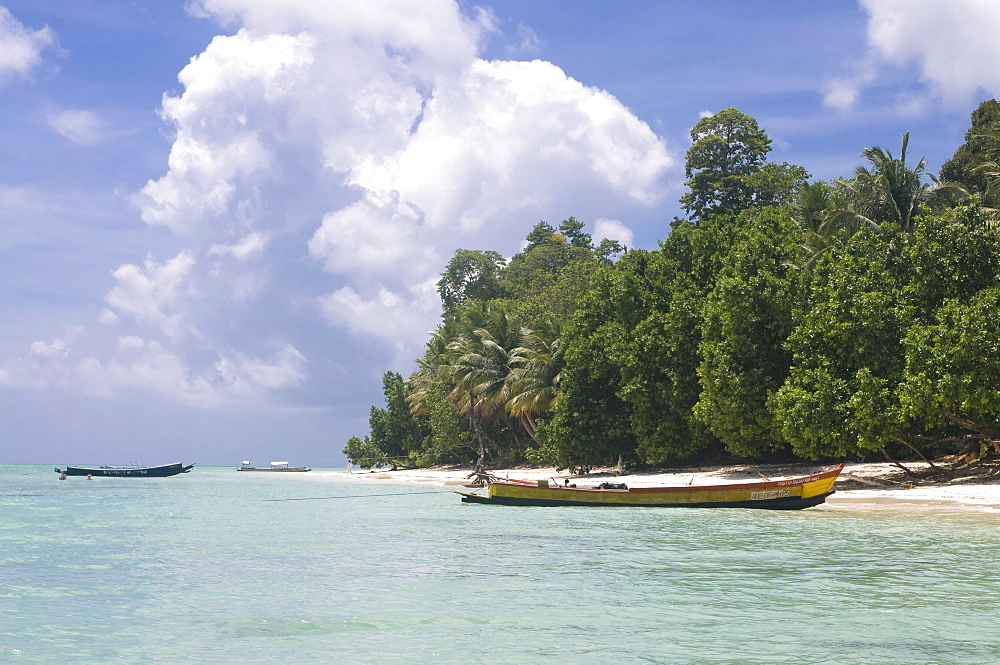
[[789, 494]]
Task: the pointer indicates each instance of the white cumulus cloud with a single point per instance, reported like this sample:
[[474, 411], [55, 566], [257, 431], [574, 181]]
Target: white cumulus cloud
[[383, 314], [416, 147], [252, 244], [150, 366], [152, 293], [952, 44], [245, 375], [612, 229], [55, 349], [20, 47], [327, 159]]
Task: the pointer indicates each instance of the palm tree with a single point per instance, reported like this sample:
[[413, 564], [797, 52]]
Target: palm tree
[[429, 374], [991, 170], [885, 192], [480, 360], [815, 208], [533, 383], [888, 191], [493, 370]]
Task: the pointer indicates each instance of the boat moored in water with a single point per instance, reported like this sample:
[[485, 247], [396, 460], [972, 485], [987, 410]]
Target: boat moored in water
[[131, 471], [275, 466], [789, 494]]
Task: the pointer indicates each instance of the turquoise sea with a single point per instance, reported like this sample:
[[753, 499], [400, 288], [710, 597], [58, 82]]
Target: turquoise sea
[[217, 566]]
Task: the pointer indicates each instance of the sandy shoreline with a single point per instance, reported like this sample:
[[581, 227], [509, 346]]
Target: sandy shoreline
[[852, 489]]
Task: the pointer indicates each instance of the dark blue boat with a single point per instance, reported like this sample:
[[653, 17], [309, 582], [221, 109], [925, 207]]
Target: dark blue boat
[[161, 471]]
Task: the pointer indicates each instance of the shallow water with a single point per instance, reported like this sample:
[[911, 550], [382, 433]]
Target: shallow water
[[217, 566]]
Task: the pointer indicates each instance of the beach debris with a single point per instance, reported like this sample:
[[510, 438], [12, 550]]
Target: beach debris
[[866, 481], [482, 478]]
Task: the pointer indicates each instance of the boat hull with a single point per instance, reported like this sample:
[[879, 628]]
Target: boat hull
[[284, 469], [161, 471], [791, 494], [786, 503]]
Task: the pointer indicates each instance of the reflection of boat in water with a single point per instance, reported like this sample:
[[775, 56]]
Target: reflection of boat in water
[[132, 471], [790, 494], [275, 466]]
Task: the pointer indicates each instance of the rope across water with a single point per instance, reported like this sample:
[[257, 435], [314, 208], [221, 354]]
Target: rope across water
[[357, 496]]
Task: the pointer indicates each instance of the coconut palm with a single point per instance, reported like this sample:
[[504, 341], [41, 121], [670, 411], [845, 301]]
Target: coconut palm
[[888, 191], [533, 383], [991, 170], [429, 374], [480, 360], [815, 208]]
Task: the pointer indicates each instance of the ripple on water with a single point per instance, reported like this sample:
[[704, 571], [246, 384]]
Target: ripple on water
[[205, 569]]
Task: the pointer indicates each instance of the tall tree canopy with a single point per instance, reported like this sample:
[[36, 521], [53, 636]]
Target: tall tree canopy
[[471, 276], [979, 148], [824, 319], [395, 434], [746, 320], [727, 171]]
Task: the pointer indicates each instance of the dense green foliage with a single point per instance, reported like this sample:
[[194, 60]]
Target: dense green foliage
[[782, 318], [974, 164], [746, 319]]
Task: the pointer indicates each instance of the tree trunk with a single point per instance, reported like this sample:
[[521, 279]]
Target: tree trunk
[[916, 450], [889, 458], [529, 427], [968, 424], [480, 463]]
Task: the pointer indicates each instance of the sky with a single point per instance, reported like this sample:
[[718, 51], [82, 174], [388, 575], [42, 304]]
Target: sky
[[222, 221]]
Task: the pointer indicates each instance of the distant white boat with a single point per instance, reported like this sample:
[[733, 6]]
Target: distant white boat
[[275, 466]]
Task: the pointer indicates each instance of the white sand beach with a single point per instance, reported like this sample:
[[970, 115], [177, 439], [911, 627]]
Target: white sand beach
[[860, 483]]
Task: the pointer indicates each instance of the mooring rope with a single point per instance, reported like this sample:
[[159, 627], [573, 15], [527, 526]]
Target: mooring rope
[[357, 496]]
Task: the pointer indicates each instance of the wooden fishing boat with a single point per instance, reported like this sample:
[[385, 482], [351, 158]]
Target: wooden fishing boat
[[132, 471], [789, 494], [275, 466]]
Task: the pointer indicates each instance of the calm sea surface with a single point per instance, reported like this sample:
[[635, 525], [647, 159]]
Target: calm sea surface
[[217, 566]]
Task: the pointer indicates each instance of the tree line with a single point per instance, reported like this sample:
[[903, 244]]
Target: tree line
[[781, 318]]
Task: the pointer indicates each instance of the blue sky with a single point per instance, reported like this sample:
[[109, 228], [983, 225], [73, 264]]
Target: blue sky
[[221, 221]]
